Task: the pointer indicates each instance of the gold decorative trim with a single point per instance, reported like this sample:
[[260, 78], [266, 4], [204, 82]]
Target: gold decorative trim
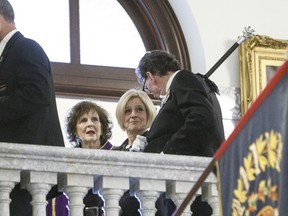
[[259, 57], [54, 206]]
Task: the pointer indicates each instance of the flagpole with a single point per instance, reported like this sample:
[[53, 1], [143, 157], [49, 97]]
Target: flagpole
[[248, 32]]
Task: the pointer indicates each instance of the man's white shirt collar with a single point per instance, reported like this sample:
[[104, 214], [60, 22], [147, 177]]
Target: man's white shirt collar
[[6, 39], [168, 84], [164, 98]]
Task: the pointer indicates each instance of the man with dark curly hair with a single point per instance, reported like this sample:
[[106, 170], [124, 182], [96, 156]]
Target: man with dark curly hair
[[189, 121]]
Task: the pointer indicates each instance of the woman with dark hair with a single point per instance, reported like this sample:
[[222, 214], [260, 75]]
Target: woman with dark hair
[[88, 126]]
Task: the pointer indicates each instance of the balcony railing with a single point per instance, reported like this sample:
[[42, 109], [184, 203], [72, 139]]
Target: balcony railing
[[111, 173]]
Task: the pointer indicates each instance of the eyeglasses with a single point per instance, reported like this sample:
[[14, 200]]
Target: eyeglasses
[[145, 88]]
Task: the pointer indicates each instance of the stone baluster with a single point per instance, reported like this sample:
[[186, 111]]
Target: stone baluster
[[8, 179], [177, 191], [210, 194], [148, 191], [76, 187], [111, 189], [38, 184]]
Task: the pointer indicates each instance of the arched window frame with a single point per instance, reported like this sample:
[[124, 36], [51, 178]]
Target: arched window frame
[[159, 29]]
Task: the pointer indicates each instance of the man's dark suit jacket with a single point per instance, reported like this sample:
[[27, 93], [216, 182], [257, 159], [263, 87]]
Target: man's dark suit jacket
[[187, 123], [28, 112]]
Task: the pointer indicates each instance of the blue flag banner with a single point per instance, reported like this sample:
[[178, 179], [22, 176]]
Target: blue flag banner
[[253, 162]]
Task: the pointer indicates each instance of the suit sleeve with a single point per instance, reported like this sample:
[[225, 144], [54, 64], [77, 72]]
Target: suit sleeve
[[29, 84]]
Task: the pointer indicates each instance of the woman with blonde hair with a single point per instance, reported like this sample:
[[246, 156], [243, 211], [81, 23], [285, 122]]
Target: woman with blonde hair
[[135, 113]]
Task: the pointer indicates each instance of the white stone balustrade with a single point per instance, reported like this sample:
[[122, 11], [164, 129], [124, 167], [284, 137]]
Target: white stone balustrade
[[111, 173]]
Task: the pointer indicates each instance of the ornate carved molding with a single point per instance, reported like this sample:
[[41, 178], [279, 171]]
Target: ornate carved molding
[[260, 56]]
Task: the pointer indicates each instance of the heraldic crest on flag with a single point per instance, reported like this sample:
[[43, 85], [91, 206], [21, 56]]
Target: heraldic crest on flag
[[252, 165], [263, 155]]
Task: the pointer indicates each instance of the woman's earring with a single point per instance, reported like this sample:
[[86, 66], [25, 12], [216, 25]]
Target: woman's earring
[[79, 141]]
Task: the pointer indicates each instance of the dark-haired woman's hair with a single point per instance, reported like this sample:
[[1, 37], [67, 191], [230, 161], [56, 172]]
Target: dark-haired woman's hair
[[85, 107]]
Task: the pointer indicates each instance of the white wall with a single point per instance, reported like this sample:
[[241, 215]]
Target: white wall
[[212, 27]]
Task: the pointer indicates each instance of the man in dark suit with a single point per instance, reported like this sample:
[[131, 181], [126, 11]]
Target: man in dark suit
[[189, 122], [28, 112]]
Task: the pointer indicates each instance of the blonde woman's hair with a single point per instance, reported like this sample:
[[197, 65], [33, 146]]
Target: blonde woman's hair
[[134, 93]]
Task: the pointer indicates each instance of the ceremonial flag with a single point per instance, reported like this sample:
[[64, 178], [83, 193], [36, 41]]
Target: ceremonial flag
[[253, 162]]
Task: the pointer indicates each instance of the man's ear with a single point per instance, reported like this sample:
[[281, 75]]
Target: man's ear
[[150, 76]]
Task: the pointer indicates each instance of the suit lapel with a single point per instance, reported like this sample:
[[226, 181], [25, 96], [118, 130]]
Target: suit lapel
[[10, 43]]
